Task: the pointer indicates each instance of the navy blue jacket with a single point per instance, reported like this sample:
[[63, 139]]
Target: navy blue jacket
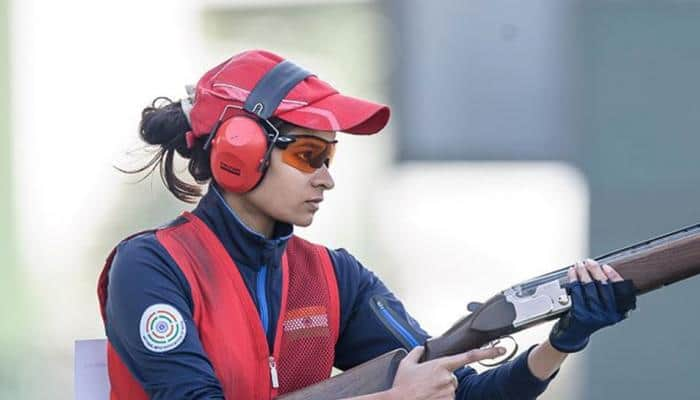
[[143, 274]]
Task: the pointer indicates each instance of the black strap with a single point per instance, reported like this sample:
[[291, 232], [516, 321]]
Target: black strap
[[273, 87]]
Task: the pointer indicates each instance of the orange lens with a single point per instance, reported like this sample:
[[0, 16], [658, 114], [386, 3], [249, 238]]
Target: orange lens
[[309, 153]]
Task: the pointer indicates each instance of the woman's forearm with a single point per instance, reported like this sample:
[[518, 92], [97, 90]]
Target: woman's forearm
[[544, 360]]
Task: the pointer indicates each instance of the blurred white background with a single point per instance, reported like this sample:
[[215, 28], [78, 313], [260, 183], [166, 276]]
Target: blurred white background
[[441, 234]]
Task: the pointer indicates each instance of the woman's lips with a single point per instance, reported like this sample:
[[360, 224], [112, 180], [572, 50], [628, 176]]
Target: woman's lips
[[314, 204]]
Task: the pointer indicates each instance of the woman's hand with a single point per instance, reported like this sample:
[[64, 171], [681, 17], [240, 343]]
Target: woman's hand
[[433, 380], [600, 298]]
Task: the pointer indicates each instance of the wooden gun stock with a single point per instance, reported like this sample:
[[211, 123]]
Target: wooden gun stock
[[650, 265], [374, 376], [658, 262]]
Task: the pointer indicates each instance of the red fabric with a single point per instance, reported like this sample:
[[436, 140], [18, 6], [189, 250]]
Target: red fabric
[[311, 318], [228, 323], [312, 103]]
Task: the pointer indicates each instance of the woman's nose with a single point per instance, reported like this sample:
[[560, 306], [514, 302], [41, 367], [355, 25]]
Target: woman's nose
[[322, 177]]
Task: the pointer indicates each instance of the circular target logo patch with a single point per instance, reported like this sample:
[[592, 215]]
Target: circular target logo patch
[[162, 328]]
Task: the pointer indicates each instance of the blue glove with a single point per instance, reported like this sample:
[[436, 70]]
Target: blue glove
[[595, 305]]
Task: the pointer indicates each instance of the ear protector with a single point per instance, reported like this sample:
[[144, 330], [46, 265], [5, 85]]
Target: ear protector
[[241, 145]]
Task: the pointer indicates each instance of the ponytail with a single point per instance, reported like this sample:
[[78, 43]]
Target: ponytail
[[164, 124]]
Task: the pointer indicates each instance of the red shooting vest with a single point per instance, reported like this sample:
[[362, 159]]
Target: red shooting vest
[[228, 323]]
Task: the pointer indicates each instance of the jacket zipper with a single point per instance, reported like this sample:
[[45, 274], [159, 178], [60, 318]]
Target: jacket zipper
[[273, 372], [386, 316], [262, 300]]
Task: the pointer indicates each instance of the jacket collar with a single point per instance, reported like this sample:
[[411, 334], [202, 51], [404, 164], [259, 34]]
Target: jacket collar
[[243, 244]]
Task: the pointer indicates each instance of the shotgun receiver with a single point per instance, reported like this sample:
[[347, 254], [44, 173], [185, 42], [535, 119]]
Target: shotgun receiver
[[650, 265]]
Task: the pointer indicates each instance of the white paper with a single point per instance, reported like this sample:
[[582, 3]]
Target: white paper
[[91, 379]]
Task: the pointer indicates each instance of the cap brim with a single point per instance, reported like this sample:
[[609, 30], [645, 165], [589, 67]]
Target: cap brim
[[340, 113]]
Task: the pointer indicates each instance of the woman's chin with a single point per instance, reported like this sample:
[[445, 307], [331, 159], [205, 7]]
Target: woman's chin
[[303, 221]]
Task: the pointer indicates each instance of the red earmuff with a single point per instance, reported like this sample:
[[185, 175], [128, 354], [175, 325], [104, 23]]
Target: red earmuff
[[237, 150]]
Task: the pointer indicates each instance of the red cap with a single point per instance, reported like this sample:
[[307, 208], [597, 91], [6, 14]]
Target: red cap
[[312, 103]]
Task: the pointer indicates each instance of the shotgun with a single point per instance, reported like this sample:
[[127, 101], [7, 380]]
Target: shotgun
[[650, 265]]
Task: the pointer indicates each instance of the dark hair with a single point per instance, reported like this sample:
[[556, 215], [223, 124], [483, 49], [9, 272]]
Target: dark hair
[[163, 123]]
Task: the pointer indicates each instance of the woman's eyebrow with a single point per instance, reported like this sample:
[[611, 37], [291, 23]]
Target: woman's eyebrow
[[311, 133]]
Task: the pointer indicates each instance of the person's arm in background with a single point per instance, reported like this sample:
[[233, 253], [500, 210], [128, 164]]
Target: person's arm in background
[[544, 360], [429, 380], [143, 275], [365, 334], [596, 303]]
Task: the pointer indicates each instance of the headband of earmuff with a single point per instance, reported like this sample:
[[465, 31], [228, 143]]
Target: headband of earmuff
[[272, 88], [267, 95]]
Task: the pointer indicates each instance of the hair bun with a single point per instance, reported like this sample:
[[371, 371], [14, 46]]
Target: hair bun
[[165, 125]]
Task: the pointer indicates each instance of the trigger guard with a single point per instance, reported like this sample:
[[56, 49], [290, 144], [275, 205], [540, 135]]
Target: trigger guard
[[505, 358]]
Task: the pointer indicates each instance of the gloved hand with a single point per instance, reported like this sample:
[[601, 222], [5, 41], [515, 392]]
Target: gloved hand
[[597, 302]]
